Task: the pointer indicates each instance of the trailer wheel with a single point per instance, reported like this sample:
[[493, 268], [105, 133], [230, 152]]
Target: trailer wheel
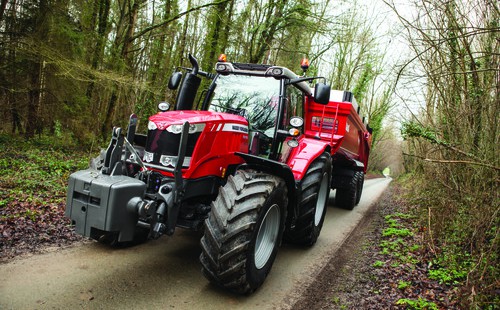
[[312, 203], [361, 181], [243, 231], [346, 198]]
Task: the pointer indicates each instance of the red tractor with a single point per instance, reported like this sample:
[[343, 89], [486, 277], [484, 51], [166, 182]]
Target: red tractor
[[252, 165]]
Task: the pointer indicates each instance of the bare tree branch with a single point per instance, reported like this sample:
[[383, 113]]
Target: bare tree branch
[[153, 27], [443, 161]]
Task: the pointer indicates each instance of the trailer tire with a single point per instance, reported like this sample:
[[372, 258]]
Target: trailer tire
[[243, 231], [313, 202], [346, 198], [361, 181]]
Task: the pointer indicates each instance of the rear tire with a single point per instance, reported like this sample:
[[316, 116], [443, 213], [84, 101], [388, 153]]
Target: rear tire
[[313, 202], [361, 181], [243, 231], [346, 198]]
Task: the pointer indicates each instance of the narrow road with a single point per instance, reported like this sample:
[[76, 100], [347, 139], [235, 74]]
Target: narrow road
[[165, 273]]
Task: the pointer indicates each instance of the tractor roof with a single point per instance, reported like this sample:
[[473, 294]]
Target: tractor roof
[[226, 68]]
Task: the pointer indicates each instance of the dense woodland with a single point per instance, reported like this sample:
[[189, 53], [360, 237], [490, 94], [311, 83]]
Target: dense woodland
[[452, 142], [72, 69], [84, 66]]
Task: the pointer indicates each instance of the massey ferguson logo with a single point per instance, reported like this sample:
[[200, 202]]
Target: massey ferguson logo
[[240, 128]]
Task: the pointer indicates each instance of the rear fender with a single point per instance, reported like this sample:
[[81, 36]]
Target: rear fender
[[302, 156]]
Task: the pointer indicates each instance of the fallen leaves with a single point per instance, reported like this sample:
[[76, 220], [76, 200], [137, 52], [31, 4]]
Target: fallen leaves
[[30, 227]]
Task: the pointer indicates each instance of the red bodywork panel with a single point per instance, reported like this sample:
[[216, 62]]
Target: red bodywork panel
[[302, 156], [223, 135], [338, 124]]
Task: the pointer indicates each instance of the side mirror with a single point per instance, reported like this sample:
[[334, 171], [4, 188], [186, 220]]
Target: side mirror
[[175, 80], [322, 93]]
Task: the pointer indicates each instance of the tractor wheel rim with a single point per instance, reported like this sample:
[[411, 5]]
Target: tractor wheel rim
[[321, 202], [267, 236]]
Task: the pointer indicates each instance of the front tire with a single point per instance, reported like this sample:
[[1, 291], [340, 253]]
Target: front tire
[[313, 202], [243, 231]]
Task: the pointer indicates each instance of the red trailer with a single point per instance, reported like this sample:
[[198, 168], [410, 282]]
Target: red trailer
[[340, 124]]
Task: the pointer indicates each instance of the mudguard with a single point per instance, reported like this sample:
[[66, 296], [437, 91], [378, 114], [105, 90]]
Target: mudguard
[[302, 156]]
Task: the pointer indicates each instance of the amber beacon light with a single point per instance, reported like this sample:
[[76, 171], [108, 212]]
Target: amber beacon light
[[304, 64], [222, 58]]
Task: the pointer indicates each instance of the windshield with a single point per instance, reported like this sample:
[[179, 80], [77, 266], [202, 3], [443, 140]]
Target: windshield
[[254, 97]]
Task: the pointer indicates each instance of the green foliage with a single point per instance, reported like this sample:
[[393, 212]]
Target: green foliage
[[447, 275], [30, 168], [396, 240], [450, 267], [336, 301], [412, 129], [363, 82], [462, 233], [395, 232], [419, 304], [403, 284], [378, 264]]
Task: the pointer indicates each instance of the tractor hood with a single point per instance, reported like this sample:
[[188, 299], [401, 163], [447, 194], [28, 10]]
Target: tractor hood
[[163, 119], [212, 140]]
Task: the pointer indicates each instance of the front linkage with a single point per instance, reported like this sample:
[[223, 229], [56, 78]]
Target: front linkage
[[108, 202]]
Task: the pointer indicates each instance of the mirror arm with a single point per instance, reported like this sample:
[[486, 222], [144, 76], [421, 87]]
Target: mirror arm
[[305, 79]]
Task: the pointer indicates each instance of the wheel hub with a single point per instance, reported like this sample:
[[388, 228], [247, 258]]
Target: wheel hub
[[267, 236], [321, 202]]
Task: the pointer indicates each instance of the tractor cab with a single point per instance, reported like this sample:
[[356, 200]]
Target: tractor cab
[[270, 98], [257, 102]]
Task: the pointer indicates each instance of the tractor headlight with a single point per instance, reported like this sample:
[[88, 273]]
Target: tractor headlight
[[293, 143], [152, 126], [296, 121], [275, 72], [222, 68], [176, 129], [168, 161], [163, 106], [193, 128]]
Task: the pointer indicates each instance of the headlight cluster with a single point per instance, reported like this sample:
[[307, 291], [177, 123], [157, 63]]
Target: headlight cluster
[[276, 72], [296, 122], [171, 161], [193, 128], [177, 128]]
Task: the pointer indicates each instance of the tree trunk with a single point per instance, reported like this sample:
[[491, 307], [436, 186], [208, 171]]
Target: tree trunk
[[33, 101], [3, 5], [125, 56], [40, 31]]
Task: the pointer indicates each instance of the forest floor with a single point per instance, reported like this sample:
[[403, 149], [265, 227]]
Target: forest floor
[[382, 265]]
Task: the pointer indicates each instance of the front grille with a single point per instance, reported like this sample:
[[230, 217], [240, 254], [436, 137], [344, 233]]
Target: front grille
[[162, 142]]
